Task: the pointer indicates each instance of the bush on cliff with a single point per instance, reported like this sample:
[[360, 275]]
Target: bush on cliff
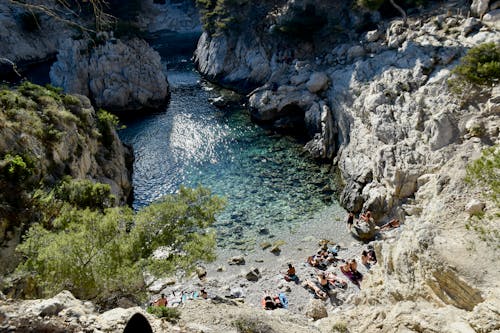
[[95, 254], [481, 65], [485, 172]]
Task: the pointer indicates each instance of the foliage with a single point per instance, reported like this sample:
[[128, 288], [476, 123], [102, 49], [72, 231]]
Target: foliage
[[218, 16], [97, 253], [485, 171], [481, 65], [251, 325], [85, 194], [170, 314], [178, 224], [339, 327], [106, 123], [15, 168]]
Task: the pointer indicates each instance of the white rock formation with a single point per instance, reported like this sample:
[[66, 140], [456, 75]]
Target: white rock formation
[[479, 7], [237, 62], [117, 75]]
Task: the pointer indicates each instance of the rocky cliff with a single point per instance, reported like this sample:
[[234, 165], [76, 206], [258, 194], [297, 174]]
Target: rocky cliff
[[117, 75], [378, 103], [45, 136]]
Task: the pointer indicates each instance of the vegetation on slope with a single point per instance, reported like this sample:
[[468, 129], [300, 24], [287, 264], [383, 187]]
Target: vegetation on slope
[[74, 235], [481, 65], [485, 172], [98, 253]]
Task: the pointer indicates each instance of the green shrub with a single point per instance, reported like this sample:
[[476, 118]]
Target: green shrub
[[340, 327], [16, 168], [481, 65], [485, 171], [170, 314], [96, 253], [106, 123], [85, 194], [251, 325]]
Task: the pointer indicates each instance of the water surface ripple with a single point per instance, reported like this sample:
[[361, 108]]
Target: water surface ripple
[[268, 180]]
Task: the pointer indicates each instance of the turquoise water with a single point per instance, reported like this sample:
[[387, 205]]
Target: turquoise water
[[269, 181]]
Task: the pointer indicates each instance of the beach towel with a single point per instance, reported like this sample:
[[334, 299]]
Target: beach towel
[[283, 300]]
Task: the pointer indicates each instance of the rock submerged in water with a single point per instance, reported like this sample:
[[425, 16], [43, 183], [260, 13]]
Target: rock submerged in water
[[119, 75]]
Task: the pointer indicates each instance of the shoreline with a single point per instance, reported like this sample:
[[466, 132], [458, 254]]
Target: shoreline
[[223, 279]]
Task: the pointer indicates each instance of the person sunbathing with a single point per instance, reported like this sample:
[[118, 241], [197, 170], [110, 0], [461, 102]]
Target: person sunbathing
[[366, 217], [317, 290], [394, 223], [335, 281], [323, 282]]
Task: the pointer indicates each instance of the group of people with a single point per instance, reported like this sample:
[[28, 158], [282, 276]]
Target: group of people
[[176, 300], [324, 257], [272, 302], [368, 219]]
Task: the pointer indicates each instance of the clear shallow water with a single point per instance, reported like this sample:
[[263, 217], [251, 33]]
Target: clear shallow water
[[268, 180]]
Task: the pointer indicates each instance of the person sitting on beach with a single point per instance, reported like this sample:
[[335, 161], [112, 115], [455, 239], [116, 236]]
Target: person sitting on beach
[[317, 290], [268, 303], [318, 260], [203, 293], [162, 301], [372, 257], [394, 223], [290, 274], [365, 260]]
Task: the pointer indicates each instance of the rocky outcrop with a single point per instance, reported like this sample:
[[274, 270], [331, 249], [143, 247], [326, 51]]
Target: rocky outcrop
[[65, 313], [53, 136], [27, 37], [117, 75], [401, 140], [176, 16], [232, 62]]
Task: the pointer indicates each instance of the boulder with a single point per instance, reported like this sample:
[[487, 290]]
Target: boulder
[[471, 24], [474, 207], [318, 81], [253, 275], [372, 36], [161, 284], [479, 7], [316, 309], [492, 19], [119, 75], [236, 260]]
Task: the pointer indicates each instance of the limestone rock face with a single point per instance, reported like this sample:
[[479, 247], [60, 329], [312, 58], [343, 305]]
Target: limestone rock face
[[118, 75], [234, 62]]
